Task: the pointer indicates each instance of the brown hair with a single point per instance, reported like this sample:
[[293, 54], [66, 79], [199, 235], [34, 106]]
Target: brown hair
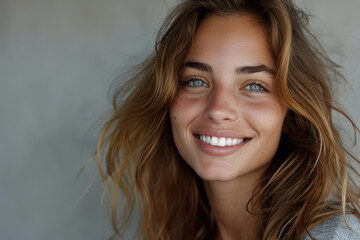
[[309, 167]]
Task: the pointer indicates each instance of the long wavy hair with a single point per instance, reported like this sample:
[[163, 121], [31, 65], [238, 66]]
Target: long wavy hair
[[308, 180]]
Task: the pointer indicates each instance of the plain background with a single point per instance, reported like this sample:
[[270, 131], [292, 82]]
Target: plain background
[[57, 61]]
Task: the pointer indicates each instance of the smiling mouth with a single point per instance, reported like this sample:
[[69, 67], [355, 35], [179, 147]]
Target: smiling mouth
[[221, 141]]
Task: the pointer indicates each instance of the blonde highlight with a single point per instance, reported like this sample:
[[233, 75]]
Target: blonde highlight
[[310, 165]]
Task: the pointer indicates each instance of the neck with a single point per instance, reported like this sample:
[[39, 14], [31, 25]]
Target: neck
[[228, 202]]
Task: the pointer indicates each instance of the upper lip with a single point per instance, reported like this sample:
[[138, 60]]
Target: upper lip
[[219, 133]]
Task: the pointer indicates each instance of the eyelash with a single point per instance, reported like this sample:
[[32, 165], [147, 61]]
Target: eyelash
[[193, 79], [257, 83]]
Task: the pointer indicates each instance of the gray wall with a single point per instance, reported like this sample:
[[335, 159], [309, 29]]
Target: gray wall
[[57, 60]]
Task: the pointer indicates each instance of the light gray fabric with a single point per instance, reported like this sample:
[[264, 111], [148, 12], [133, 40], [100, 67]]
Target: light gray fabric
[[336, 229]]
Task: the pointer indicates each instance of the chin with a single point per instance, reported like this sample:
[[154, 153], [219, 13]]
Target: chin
[[210, 175]]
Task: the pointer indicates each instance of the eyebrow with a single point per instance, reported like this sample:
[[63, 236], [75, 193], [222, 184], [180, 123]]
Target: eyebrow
[[239, 70]]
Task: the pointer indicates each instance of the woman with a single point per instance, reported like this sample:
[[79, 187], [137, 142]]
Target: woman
[[226, 130]]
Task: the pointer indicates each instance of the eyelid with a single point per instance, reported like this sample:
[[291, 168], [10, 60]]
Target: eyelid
[[186, 80], [259, 83]]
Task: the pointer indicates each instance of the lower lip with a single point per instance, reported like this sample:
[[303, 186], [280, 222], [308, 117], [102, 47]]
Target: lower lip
[[218, 151]]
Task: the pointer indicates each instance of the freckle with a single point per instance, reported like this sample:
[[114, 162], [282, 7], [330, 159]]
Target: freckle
[[174, 117]]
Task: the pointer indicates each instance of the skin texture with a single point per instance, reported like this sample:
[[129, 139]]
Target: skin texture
[[217, 96], [226, 103]]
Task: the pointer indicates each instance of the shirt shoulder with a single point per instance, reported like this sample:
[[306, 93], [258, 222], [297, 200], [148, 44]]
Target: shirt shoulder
[[335, 229]]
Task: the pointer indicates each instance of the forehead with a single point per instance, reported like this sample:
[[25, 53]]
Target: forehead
[[237, 37]]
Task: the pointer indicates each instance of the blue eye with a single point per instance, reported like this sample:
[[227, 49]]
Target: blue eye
[[256, 87], [196, 83]]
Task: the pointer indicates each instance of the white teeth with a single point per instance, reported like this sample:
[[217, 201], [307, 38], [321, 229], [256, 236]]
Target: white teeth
[[214, 141], [220, 142]]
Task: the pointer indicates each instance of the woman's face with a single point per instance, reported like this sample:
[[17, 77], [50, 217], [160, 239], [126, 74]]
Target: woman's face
[[226, 120]]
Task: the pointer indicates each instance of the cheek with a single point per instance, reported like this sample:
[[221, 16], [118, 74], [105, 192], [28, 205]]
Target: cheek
[[178, 117], [266, 117], [184, 110], [175, 114]]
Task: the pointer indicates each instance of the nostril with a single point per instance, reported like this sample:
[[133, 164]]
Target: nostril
[[220, 114]]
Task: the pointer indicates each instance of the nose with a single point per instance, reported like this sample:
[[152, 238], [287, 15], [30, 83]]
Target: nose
[[221, 106]]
